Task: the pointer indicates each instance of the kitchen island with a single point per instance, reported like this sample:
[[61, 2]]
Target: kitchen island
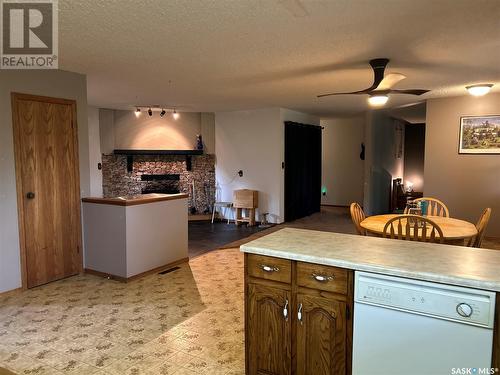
[[300, 299], [127, 237]]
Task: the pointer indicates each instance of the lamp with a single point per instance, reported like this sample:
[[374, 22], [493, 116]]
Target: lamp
[[479, 89], [377, 100]]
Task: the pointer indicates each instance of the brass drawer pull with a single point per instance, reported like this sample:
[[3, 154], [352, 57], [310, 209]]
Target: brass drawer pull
[[267, 268], [322, 278]]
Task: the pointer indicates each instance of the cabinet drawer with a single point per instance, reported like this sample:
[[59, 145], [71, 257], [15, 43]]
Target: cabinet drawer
[[269, 268], [330, 279]]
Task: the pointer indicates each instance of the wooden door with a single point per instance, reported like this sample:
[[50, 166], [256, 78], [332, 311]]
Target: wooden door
[[47, 173], [321, 336], [269, 331]]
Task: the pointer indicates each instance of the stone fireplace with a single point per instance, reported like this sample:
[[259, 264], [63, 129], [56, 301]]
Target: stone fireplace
[[168, 174]]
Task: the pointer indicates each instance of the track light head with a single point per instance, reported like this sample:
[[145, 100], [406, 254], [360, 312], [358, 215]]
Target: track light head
[[175, 115], [150, 112], [137, 112], [162, 113]]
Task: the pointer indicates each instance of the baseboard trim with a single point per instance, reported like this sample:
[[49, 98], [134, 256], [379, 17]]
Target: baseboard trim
[[11, 292], [139, 275]]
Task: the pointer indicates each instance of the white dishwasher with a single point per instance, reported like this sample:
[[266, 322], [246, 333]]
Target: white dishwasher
[[405, 326]]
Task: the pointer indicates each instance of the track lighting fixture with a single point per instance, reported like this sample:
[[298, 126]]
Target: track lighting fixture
[[150, 112], [175, 115], [162, 113], [137, 112]]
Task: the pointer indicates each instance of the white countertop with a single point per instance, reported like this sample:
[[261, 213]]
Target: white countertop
[[454, 265]]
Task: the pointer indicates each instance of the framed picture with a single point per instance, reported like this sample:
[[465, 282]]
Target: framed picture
[[479, 135]]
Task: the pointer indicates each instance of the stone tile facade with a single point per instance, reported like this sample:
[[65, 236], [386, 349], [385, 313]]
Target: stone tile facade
[[117, 181]]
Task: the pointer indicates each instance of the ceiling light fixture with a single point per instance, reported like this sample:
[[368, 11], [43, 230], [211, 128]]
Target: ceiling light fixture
[[137, 112], [479, 89], [162, 113], [377, 100], [150, 112], [175, 115]]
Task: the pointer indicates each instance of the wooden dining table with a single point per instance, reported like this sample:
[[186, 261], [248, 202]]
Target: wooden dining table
[[455, 231]]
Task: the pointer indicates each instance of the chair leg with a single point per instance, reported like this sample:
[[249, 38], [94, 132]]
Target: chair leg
[[213, 214]]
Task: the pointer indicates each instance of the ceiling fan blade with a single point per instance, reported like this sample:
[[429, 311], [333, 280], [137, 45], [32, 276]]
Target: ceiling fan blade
[[378, 66], [409, 92], [345, 93], [390, 80]]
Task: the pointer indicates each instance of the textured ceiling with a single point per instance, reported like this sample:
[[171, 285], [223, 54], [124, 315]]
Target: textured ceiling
[[241, 54]]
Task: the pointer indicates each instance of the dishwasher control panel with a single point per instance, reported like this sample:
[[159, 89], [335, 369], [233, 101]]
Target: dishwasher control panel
[[445, 301]]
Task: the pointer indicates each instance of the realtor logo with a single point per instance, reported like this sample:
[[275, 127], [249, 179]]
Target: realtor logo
[[29, 34]]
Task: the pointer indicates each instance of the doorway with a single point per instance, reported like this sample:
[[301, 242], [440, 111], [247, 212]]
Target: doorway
[[302, 170], [48, 187]]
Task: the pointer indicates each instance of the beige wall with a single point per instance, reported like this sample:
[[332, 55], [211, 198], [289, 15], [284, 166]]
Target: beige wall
[[466, 183], [156, 133], [94, 152], [382, 162], [121, 129], [342, 166], [54, 83]]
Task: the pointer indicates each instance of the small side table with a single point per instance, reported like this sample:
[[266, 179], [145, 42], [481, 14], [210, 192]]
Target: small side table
[[226, 206]]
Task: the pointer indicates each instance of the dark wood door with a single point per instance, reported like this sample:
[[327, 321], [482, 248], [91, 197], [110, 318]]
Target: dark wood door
[[269, 331], [321, 336], [47, 173], [302, 170]]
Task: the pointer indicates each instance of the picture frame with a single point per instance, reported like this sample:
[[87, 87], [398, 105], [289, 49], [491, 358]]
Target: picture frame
[[479, 135]]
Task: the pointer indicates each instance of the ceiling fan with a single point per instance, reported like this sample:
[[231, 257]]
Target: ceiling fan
[[382, 85]]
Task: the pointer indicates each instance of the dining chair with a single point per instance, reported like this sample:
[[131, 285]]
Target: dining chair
[[357, 216], [481, 228], [435, 207], [413, 228]]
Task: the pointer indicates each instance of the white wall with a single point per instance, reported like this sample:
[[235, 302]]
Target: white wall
[[343, 170], [52, 83], [253, 141], [94, 152]]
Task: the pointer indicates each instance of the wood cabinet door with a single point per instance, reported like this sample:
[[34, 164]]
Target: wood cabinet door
[[48, 186], [268, 330], [321, 336]]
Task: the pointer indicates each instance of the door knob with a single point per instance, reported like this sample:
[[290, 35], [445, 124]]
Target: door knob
[[30, 195]]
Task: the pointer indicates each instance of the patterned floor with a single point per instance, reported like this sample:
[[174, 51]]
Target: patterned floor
[[189, 321]]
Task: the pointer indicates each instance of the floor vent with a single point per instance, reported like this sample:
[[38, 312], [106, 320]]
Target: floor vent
[[169, 270]]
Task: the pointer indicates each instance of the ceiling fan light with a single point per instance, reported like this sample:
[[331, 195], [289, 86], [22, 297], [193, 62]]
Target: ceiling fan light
[[479, 89], [377, 100]]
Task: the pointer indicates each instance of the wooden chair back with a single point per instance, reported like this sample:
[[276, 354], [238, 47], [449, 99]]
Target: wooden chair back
[[481, 228], [357, 216], [435, 207], [413, 228]]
